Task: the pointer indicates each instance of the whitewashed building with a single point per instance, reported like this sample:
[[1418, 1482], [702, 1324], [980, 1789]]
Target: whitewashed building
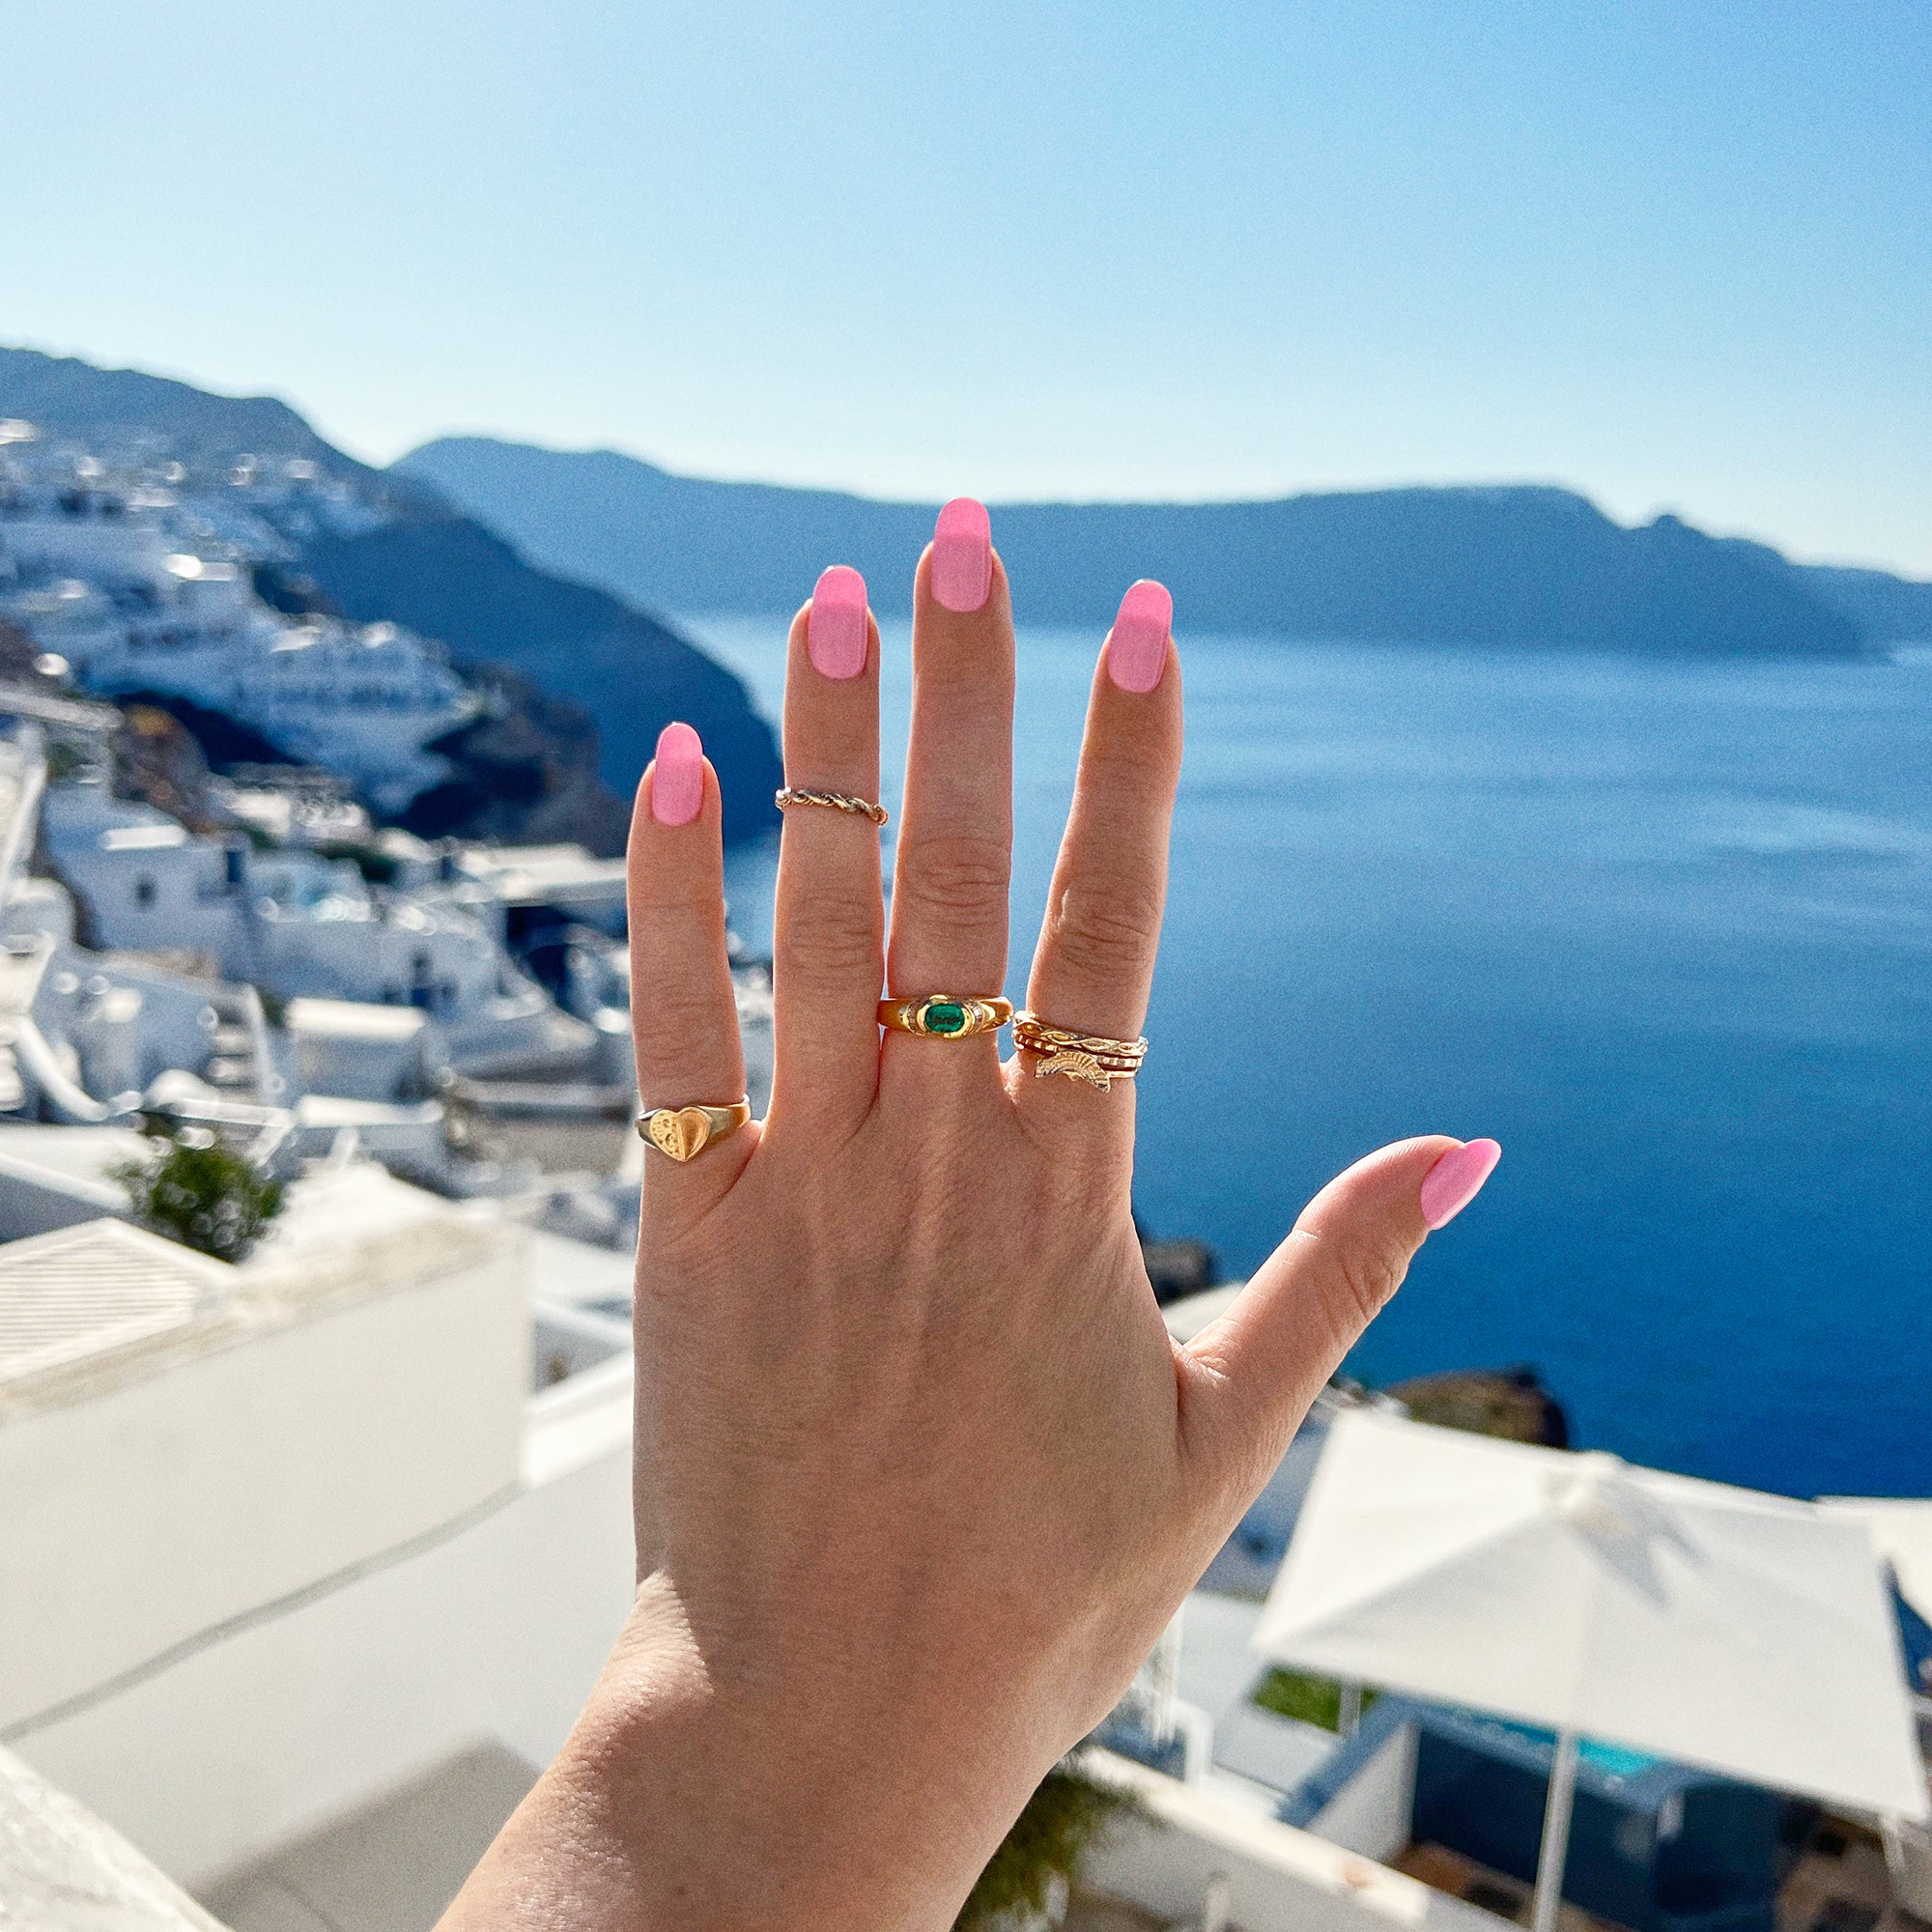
[[300, 925], [288, 1539], [138, 588]]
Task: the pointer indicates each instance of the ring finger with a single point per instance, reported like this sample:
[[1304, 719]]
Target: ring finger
[[829, 930]]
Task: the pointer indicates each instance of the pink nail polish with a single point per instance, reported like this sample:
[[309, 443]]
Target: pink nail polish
[[1455, 1180], [962, 555], [834, 632], [1137, 648], [677, 784]]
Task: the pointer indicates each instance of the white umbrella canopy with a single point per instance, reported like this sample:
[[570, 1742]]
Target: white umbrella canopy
[[1901, 1531], [1718, 1626]]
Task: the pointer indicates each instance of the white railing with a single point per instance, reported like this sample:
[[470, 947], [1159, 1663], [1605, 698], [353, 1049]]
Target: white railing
[[1273, 1876]]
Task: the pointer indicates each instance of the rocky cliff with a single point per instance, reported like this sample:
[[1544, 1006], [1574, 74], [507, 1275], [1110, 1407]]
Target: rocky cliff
[[580, 681]]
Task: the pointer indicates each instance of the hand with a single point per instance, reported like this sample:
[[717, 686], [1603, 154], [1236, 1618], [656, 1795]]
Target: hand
[[919, 1474]]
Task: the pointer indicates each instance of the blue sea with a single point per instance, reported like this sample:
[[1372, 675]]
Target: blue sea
[[1663, 928]]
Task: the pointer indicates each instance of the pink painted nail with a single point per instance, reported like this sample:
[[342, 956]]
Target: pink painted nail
[[677, 784], [834, 634], [1455, 1180], [962, 555], [1137, 648]]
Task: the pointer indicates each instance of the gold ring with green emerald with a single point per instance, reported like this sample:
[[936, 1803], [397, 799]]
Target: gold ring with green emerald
[[944, 1015]]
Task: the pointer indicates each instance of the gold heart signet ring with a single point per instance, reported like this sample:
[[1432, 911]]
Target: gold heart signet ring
[[684, 1132]]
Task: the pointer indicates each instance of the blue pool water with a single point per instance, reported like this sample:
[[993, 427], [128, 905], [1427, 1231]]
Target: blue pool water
[[1614, 1760], [1664, 930]]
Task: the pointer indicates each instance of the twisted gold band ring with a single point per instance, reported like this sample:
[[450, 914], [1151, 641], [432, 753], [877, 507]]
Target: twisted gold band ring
[[839, 800]]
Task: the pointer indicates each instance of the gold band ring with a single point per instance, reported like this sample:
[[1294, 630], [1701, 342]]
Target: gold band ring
[[945, 1016], [683, 1132], [839, 800], [1089, 1056]]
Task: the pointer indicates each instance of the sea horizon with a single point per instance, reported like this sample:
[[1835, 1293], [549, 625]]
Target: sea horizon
[[1661, 926]]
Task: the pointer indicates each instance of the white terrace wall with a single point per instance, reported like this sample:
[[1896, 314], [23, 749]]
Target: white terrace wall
[[1280, 1880], [155, 1504], [1371, 1814], [60, 1867], [299, 1718]]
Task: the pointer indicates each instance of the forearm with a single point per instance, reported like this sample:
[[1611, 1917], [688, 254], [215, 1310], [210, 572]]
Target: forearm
[[708, 1805]]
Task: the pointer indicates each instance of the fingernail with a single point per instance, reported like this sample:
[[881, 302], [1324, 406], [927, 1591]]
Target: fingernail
[[1137, 649], [1455, 1180], [962, 555], [834, 634], [677, 784]]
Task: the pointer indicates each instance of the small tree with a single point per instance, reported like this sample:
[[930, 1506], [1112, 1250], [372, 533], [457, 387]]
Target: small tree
[[195, 1190], [1062, 1821]]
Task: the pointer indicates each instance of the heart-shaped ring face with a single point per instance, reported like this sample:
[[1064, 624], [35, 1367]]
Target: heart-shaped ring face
[[680, 1134]]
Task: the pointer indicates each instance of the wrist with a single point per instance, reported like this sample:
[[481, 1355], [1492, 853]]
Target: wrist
[[696, 1794]]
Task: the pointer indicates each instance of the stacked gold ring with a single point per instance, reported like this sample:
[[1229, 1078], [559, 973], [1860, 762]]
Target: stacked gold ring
[[944, 1015], [1091, 1057]]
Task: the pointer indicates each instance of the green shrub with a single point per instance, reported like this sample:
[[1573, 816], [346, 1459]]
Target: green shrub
[[65, 761], [1062, 1821], [377, 866], [195, 1190], [1314, 1700]]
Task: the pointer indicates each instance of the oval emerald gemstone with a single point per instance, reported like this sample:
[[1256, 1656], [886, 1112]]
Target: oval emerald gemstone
[[944, 1016]]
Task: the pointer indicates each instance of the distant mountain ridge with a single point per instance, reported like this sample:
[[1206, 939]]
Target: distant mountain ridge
[[69, 397], [1521, 565], [430, 566], [1891, 610]]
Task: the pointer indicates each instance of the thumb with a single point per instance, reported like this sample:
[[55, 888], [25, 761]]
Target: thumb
[[1255, 1370]]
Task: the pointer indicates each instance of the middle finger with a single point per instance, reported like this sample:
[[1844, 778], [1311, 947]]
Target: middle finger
[[949, 922]]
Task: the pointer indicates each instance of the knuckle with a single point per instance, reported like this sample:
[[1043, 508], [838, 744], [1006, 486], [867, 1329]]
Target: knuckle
[[681, 1017], [1103, 928], [1116, 771], [1366, 1270], [660, 898], [824, 939], [960, 876]]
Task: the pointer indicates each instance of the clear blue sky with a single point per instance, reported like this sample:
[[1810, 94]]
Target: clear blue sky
[[1679, 255]]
